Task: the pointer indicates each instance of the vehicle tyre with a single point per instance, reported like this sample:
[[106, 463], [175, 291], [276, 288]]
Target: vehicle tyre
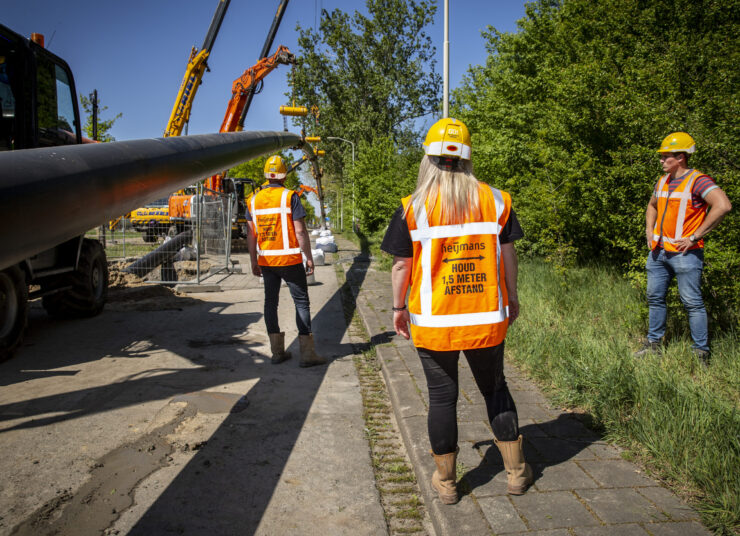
[[89, 285], [13, 310]]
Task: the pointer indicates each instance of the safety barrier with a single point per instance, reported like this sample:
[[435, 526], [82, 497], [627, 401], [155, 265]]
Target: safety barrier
[[181, 252]]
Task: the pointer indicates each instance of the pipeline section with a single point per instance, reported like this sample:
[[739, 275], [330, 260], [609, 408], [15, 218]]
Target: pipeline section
[[50, 195]]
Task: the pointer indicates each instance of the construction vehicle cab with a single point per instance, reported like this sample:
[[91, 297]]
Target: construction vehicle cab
[[39, 109], [37, 95]]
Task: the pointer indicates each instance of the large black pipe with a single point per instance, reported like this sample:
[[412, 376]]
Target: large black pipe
[[163, 253], [50, 195]]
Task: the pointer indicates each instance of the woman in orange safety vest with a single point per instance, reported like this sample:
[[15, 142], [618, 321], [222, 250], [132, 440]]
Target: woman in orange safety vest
[[452, 242]]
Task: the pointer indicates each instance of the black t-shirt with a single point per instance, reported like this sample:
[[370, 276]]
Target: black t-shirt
[[397, 239]]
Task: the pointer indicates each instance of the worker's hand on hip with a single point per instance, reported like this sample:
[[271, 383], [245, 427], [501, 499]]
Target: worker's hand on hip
[[256, 270], [309, 266], [683, 244], [513, 311], [401, 323]]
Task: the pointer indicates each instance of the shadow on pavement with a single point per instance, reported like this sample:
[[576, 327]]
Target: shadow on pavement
[[545, 444], [227, 486]]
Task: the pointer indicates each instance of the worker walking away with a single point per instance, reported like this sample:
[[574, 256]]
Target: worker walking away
[[452, 242], [276, 240], [676, 222]]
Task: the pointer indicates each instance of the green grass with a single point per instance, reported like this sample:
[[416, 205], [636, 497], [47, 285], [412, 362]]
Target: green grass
[[576, 335]]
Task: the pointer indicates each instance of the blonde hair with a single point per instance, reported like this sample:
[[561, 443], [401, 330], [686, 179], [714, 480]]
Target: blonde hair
[[457, 191]]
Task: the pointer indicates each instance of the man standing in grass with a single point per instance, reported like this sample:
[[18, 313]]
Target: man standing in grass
[[684, 207]]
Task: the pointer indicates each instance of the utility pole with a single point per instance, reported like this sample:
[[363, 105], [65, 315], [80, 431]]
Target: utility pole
[[446, 63]]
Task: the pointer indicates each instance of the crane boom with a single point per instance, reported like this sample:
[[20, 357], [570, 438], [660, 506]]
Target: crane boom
[[241, 90], [197, 65], [245, 84]]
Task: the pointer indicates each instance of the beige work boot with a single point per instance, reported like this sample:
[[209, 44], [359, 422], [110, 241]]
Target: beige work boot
[[443, 479], [518, 472], [277, 346], [309, 357]]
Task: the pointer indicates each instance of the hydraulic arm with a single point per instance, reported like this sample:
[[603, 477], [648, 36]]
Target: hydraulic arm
[[241, 91]]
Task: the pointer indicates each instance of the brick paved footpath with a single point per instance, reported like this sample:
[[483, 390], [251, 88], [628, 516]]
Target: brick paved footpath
[[582, 485]]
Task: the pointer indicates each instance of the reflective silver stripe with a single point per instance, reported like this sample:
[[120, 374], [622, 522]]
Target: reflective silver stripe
[[276, 252], [685, 196], [453, 231], [459, 320], [424, 234], [265, 211], [284, 219]]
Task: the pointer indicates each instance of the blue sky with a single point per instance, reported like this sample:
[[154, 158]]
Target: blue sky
[[134, 52]]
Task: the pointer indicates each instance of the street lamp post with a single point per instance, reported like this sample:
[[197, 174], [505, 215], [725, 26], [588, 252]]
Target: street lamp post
[[353, 176]]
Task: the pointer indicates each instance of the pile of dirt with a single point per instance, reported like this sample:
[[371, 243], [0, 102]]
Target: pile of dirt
[[147, 298], [119, 279]]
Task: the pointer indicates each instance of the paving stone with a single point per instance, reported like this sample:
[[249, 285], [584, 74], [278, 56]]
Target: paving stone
[[556, 532], [605, 451], [616, 473], [554, 449], [468, 456], [471, 413], [501, 515], [552, 510], [567, 426], [564, 476], [528, 428], [620, 505], [406, 399], [527, 397], [629, 529], [539, 412], [415, 435], [474, 431], [685, 528], [486, 480], [669, 503], [465, 517]]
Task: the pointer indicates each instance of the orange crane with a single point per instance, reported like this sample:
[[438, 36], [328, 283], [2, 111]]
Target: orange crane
[[241, 91]]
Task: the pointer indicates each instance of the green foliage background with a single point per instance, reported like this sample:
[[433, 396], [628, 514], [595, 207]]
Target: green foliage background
[[567, 114]]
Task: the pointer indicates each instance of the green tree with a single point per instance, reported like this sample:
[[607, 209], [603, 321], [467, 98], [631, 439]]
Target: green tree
[[566, 114], [370, 76], [104, 125]]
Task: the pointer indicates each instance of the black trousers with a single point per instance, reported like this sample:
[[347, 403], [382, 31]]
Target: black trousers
[[295, 277], [487, 365]]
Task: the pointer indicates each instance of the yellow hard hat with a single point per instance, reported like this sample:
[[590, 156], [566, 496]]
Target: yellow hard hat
[[275, 168], [677, 142], [448, 137]]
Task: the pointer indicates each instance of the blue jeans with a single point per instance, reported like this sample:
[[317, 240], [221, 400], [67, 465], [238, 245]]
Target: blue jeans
[[295, 278], [687, 267]]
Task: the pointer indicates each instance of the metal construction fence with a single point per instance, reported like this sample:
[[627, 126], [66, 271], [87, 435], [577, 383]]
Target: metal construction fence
[[186, 250]]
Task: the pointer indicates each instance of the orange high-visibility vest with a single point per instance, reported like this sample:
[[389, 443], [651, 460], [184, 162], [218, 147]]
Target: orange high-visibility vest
[[458, 297], [677, 217], [277, 244]]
